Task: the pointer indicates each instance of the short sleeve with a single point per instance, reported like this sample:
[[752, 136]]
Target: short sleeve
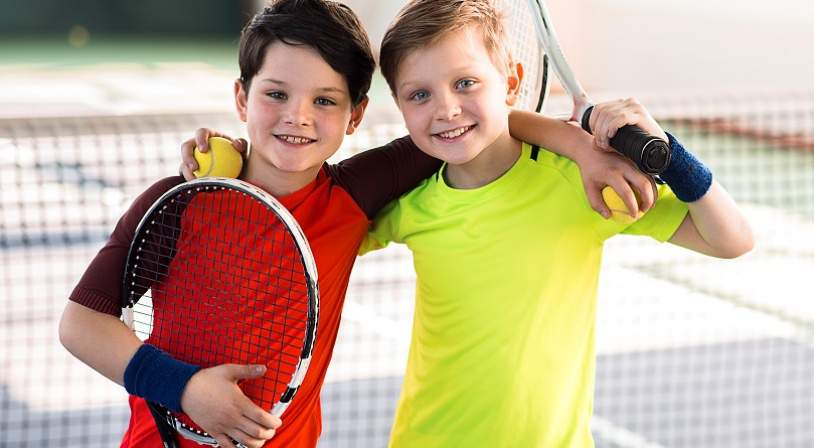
[[378, 176], [662, 221], [100, 286], [384, 229]]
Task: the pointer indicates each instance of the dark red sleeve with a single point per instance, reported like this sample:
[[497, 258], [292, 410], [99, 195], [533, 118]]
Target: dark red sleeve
[[100, 285], [377, 176]]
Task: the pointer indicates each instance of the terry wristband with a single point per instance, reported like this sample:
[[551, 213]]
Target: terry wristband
[[155, 376], [687, 176]]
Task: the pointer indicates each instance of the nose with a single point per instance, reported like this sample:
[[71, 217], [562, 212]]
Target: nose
[[447, 106], [298, 113]]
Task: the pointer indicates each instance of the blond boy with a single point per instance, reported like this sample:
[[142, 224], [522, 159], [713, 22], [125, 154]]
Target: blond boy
[[506, 247]]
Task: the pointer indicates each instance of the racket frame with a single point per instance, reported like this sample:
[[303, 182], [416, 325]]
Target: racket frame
[[311, 281], [582, 104]]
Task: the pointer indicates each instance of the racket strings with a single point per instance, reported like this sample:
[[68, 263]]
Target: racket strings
[[221, 281], [527, 50]]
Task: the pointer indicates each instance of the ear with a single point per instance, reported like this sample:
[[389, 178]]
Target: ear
[[241, 100], [356, 115], [514, 80]]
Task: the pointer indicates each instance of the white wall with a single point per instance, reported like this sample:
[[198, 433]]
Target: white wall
[[632, 47]]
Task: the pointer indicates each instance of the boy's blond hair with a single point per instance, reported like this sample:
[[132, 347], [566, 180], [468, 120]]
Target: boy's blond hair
[[423, 22]]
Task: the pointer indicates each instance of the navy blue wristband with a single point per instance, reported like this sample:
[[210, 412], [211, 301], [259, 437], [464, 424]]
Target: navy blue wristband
[[156, 376], [687, 176]]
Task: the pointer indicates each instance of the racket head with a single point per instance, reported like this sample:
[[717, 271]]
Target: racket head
[[528, 51], [220, 272]]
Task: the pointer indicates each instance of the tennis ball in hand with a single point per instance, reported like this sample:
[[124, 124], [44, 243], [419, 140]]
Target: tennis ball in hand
[[617, 207], [222, 159]]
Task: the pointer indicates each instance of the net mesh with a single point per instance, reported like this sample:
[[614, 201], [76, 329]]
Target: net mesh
[[692, 351]]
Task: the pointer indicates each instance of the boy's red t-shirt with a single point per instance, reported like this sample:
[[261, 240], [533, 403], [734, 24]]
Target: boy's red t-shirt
[[334, 212]]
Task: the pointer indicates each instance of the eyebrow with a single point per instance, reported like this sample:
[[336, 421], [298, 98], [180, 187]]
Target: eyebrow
[[330, 89]]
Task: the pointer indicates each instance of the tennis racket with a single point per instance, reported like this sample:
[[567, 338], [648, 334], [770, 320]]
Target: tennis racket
[[530, 17], [220, 272]]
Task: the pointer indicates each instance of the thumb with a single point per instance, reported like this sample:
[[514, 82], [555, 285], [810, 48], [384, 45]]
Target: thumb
[[241, 145], [594, 193], [245, 372], [596, 201]]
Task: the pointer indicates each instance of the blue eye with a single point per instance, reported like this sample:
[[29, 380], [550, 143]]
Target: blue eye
[[325, 102], [420, 95], [464, 83]]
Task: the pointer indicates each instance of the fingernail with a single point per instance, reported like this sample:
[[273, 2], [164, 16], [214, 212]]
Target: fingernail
[[259, 368]]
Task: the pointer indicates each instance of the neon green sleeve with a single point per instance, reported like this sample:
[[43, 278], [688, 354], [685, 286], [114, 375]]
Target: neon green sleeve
[[662, 221], [383, 230]]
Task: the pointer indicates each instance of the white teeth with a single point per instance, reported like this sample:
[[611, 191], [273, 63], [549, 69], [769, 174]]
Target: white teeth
[[455, 132], [295, 140]]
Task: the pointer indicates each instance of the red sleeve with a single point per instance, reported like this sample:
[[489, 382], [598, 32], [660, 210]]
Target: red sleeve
[[377, 176], [100, 285]]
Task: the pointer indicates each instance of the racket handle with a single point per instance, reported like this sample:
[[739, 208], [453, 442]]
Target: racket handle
[[651, 154]]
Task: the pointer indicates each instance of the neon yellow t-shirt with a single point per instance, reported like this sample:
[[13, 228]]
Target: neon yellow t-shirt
[[502, 350]]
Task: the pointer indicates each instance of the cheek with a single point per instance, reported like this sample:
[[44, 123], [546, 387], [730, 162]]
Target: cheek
[[413, 118]]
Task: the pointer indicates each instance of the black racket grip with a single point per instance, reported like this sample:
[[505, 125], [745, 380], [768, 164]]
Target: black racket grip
[[651, 154]]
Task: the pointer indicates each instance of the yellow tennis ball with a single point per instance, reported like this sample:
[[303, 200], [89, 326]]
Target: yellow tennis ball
[[617, 207], [222, 159]]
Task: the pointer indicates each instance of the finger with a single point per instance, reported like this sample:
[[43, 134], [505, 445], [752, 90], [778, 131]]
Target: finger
[[244, 371], [647, 193], [602, 123], [261, 418], [244, 439], [223, 440], [596, 130], [186, 172], [202, 138], [241, 145], [594, 193], [187, 154], [254, 430], [620, 120], [625, 192]]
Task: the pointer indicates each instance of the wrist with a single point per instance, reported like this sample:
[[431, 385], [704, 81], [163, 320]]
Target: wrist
[[687, 176], [156, 376]]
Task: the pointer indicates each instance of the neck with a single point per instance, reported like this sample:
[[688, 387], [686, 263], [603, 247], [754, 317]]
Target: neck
[[493, 162], [275, 181]]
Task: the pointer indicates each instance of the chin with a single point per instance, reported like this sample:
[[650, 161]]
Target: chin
[[295, 167], [456, 157]]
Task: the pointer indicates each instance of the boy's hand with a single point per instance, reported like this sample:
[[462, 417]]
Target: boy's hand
[[188, 163], [599, 169], [213, 400], [608, 117]]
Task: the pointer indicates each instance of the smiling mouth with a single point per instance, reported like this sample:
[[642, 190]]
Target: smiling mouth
[[454, 133], [295, 140]]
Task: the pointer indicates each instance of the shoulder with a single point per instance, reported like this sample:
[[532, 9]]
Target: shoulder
[[161, 186], [546, 166], [142, 203], [377, 176]]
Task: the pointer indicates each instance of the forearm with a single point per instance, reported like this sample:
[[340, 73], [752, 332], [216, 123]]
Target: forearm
[[715, 226], [554, 135], [720, 223], [99, 340]]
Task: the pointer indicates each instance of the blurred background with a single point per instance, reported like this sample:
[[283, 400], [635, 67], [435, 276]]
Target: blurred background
[[98, 95]]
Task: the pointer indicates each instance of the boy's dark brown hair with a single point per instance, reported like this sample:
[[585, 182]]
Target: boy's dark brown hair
[[330, 27], [423, 22]]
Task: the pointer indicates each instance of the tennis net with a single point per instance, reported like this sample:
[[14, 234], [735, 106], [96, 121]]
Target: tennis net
[[692, 351]]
